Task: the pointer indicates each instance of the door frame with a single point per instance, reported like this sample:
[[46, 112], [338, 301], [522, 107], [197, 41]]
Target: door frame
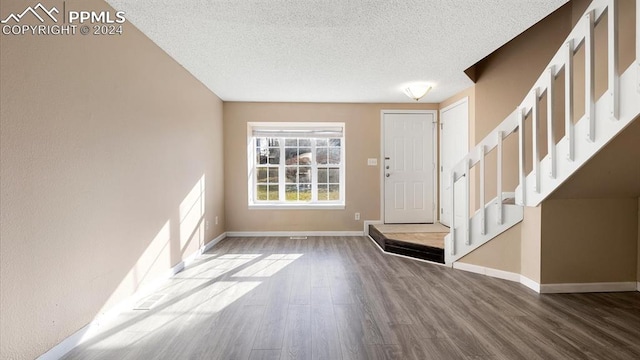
[[436, 157], [464, 100]]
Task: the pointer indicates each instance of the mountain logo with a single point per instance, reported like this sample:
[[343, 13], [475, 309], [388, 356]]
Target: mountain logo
[[34, 11]]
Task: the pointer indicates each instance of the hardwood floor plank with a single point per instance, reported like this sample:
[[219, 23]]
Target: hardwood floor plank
[[341, 298], [264, 355], [270, 334], [325, 341], [385, 352], [351, 332], [297, 338]]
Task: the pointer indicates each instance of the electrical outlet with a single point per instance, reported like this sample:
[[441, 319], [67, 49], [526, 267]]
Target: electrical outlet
[[357, 216], [207, 225], [216, 220], [372, 162]]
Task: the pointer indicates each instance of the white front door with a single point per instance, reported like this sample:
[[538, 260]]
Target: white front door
[[408, 167], [454, 145]]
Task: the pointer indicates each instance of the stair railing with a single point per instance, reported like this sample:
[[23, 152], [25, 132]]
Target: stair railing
[[582, 35]]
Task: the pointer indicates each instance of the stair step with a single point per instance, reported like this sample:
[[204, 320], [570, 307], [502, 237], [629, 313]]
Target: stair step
[[406, 248]]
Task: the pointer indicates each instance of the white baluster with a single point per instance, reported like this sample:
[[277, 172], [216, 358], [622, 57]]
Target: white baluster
[[551, 138], [638, 42], [568, 99], [521, 157], [535, 140], [499, 179], [614, 76], [589, 77], [467, 198], [483, 208], [452, 222]]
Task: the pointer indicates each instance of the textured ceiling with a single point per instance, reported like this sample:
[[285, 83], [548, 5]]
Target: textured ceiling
[[331, 50]]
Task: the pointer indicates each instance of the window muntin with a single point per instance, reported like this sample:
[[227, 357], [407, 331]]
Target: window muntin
[[297, 166]]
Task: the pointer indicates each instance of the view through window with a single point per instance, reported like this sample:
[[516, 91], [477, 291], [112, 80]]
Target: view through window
[[297, 165]]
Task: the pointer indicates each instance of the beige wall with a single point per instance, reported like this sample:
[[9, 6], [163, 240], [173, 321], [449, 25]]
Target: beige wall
[[362, 128], [612, 173], [504, 79], [502, 82], [501, 253], [589, 240], [531, 251], [103, 141]]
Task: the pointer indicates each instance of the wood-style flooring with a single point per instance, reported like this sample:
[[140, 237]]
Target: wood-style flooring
[[341, 298]]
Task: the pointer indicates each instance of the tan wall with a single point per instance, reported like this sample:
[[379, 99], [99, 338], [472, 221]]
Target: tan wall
[[103, 139], [362, 128], [501, 253], [504, 79], [589, 240], [610, 173], [626, 55], [530, 247]]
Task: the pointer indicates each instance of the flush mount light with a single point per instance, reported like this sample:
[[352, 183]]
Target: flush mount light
[[418, 90]]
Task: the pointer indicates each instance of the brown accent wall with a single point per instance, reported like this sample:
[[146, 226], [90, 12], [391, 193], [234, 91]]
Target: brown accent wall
[[362, 129], [107, 145], [589, 240]]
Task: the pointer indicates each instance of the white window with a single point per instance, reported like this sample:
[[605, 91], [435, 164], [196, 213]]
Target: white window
[[296, 165]]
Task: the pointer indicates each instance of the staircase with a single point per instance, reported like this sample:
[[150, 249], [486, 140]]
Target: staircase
[[603, 119]]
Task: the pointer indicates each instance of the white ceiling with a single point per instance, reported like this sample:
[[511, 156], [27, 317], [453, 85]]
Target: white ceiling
[[331, 50]]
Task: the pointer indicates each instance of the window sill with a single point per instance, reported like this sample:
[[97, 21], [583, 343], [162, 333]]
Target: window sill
[[296, 207]]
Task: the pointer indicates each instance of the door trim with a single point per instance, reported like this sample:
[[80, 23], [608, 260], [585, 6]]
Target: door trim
[[436, 157], [444, 109]]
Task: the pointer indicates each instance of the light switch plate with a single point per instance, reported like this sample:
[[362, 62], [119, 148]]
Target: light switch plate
[[372, 162]]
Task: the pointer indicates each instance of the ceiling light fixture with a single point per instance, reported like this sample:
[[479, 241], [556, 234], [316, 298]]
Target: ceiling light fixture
[[417, 91]]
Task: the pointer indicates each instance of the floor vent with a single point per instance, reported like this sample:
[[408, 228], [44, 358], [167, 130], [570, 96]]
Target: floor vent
[[297, 237], [149, 302]]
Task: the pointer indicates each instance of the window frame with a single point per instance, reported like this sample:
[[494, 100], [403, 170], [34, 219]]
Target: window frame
[[282, 203]]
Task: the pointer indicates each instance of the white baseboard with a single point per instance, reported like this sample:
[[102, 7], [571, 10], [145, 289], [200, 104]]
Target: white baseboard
[[291, 233], [102, 319], [365, 230], [588, 287], [533, 285], [549, 288], [500, 274], [212, 243]]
